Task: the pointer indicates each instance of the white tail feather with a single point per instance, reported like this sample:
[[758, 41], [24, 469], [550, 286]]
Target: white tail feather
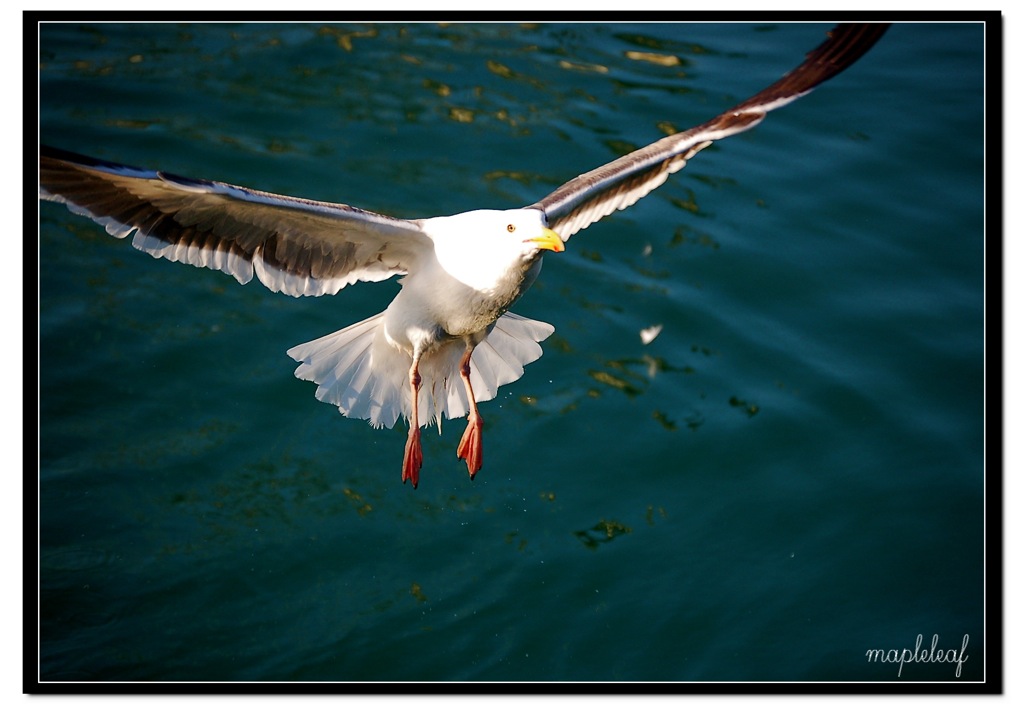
[[367, 378]]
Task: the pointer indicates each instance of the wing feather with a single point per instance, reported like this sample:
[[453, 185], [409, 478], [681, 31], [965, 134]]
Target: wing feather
[[621, 183], [292, 245]]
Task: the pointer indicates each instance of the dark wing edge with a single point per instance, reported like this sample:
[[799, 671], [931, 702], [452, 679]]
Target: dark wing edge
[[292, 245], [621, 183]]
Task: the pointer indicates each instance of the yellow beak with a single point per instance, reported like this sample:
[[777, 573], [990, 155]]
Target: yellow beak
[[548, 240]]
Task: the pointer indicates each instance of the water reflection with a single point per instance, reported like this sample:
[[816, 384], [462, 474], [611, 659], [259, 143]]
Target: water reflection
[[362, 506], [748, 408], [663, 44], [685, 234], [603, 532], [623, 375], [272, 493], [655, 58], [344, 37]]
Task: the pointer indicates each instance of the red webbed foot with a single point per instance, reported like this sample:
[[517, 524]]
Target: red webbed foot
[[471, 448], [413, 458]]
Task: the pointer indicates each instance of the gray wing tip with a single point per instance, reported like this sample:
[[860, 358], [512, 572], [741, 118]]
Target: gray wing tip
[[47, 151], [844, 45]]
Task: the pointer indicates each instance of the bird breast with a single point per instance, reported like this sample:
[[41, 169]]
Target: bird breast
[[435, 303], [464, 308]]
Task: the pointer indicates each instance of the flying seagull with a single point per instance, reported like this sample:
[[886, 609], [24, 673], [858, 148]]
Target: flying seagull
[[447, 340]]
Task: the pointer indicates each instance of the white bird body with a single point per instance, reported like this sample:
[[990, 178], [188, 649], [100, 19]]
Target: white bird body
[[454, 297], [446, 341]]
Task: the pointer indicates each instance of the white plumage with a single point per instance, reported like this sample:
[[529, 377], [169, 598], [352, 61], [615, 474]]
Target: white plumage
[[367, 379]]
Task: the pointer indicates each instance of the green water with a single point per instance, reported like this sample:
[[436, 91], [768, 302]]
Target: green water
[[789, 475]]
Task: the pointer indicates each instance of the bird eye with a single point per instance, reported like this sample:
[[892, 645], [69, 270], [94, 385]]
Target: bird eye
[[511, 228]]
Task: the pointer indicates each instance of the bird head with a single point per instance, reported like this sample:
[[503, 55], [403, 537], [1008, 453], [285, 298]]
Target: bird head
[[484, 246], [527, 227]]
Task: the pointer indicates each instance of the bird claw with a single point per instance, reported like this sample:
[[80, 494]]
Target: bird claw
[[471, 447]]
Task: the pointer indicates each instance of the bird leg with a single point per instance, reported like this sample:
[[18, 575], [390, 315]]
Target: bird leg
[[413, 451], [471, 447]]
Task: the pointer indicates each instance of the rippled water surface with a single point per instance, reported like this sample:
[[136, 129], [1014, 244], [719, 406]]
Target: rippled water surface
[[789, 475]]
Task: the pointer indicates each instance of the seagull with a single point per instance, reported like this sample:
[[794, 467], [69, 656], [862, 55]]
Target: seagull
[[447, 341]]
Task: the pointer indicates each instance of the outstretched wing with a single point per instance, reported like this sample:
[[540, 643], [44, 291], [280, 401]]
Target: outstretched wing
[[621, 183], [293, 245]]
